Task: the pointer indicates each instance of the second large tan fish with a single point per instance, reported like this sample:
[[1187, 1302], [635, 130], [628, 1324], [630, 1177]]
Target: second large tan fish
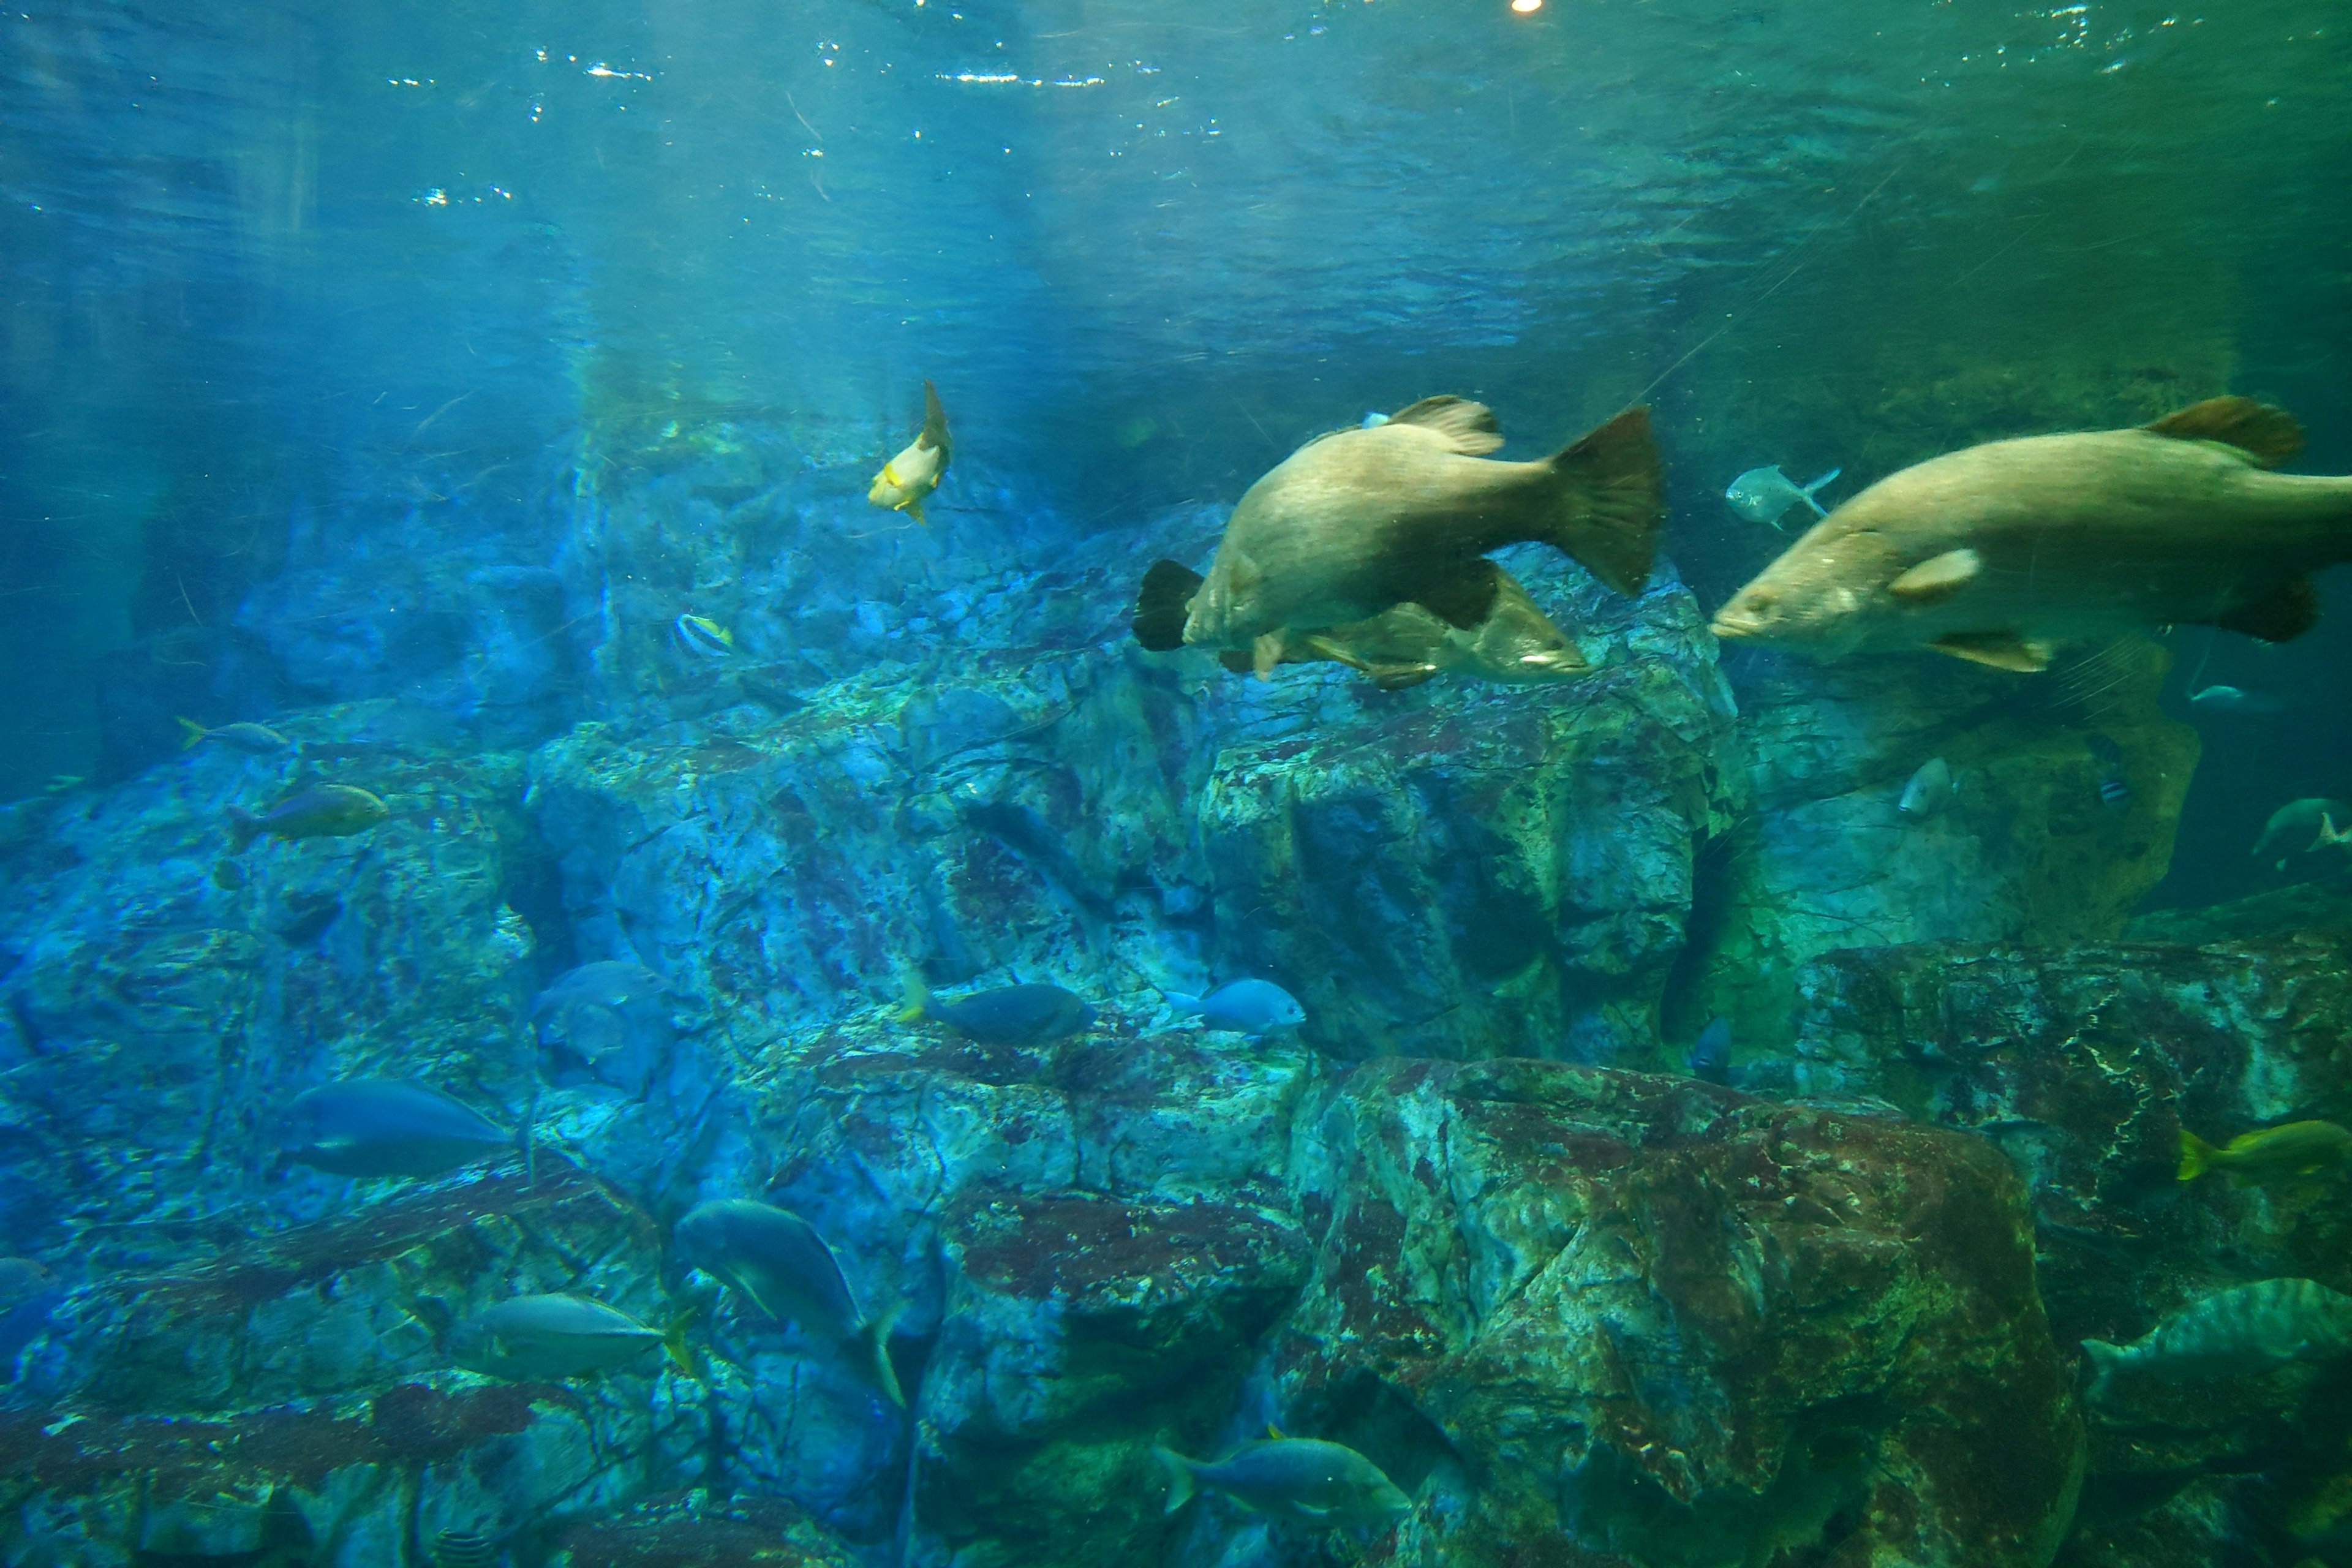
[[1999, 552]]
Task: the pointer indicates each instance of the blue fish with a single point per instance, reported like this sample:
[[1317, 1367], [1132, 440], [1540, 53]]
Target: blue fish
[[1711, 1054], [1008, 1015], [385, 1127], [779, 1261], [1302, 1479], [1765, 495], [1253, 1007]]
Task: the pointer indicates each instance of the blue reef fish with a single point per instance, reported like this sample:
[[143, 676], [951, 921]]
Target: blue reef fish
[[606, 982], [255, 740], [1254, 1007], [2231, 1334], [1929, 791], [1301, 1479], [322, 811], [915, 471], [1765, 495], [2294, 827], [544, 1339], [1711, 1054], [1008, 1015], [388, 1127], [2235, 700], [777, 1258], [702, 637]]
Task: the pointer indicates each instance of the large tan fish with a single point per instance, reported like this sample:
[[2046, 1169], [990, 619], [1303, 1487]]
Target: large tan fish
[[1516, 644], [1998, 553], [1359, 521], [915, 473]]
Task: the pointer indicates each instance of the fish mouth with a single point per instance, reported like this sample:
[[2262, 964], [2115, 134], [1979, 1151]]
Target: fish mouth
[[1556, 663], [1736, 628]]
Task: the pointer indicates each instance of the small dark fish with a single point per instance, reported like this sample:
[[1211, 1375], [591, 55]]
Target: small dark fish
[[322, 811], [255, 740], [385, 1127], [778, 1259], [228, 875], [1008, 1015], [1711, 1054], [2109, 758], [2269, 1154], [537, 1339], [1301, 1479]]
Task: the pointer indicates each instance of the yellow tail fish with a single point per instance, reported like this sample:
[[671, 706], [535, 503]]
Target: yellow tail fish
[[915, 473]]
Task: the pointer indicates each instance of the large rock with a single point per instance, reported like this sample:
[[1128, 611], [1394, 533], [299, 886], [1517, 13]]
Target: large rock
[[1614, 1319], [2085, 1064]]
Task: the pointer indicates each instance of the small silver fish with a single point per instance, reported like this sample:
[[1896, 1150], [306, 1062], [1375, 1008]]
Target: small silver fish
[[539, 1339], [254, 740], [2234, 699], [384, 1127], [2294, 828], [1929, 791], [1765, 495]]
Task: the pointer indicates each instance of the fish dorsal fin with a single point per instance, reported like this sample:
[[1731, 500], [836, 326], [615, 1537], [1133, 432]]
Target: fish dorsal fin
[[1938, 578], [935, 420], [2269, 435], [2003, 650], [1468, 426]]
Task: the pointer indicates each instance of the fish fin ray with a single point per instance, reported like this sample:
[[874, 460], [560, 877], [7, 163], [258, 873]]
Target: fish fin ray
[[1463, 598], [1612, 500], [1470, 428], [2280, 615], [2002, 650], [2269, 435], [1162, 605], [1938, 578], [1265, 653]]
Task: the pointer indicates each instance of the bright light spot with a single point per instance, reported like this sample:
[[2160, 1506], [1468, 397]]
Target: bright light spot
[[1525, 7]]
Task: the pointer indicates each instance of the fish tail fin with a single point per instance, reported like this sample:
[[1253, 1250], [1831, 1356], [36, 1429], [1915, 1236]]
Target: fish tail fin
[[935, 422], [196, 732], [2105, 1359], [1807, 491], [2196, 1156], [914, 997], [674, 1346], [874, 1349], [1612, 500], [1180, 1476], [243, 826], [1163, 602], [915, 510], [1186, 1006]]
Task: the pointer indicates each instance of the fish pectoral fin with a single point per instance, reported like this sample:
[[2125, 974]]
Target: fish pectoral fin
[[1463, 598], [1938, 578], [1325, 648], [1469, 427], [2282, 615], [1265, 653], [1161, 603], [2269, 435], [2003, 650], [1397, 676]]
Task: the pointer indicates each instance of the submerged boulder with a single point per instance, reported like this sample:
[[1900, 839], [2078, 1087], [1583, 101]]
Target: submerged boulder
[[1625, 1319]]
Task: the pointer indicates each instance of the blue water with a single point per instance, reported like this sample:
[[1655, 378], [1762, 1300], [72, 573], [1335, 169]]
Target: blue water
[[396, 375]]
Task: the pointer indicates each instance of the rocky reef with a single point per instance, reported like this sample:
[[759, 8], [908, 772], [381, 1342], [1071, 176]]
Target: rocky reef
[[1474, 1219]]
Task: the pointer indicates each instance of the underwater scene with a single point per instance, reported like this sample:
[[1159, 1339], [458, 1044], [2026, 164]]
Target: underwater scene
[[1186, 784]]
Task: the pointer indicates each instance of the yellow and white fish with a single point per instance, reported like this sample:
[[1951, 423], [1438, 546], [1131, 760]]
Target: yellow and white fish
[[915, 473]]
